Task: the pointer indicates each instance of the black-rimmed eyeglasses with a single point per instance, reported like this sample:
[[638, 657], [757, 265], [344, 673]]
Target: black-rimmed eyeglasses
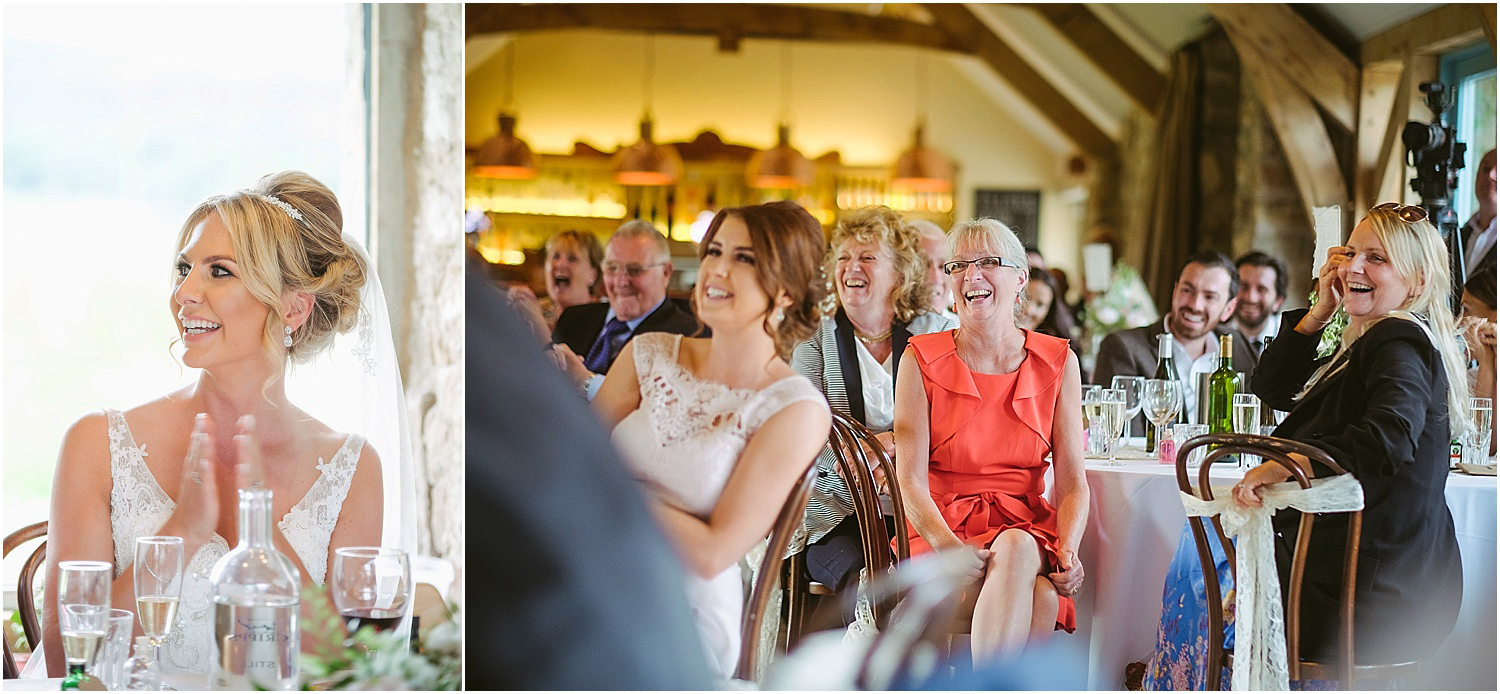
[[632, 270], [985, 263], [1411, 214]]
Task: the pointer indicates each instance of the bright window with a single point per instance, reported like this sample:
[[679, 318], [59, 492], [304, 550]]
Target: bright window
[[1472, 71]]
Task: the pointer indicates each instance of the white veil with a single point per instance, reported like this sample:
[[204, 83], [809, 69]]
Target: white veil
[[354, 386]]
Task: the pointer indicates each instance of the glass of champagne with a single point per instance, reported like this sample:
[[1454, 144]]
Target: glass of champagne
[[1112, 414], [83, 613], [1482, 410], [1162, 400], [1247, 421], [371, 587], [1090, 415], [1131, 385], [158, 587]]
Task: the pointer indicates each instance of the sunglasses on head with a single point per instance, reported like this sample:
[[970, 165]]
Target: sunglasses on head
[[1411, 214]]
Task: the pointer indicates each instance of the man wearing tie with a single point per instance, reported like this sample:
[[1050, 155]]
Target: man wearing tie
[[637, 266], [1257, 312], [1479, 233]]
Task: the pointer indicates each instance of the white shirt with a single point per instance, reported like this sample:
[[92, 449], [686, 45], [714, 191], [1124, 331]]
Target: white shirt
[[1267, 331]]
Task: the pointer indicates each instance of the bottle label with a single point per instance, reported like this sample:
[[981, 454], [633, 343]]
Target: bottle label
[[1455, 454]]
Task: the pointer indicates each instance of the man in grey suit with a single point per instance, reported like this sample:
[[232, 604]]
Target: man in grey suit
[[1202, 299]]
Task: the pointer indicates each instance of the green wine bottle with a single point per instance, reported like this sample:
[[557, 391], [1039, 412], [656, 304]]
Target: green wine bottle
[[1222, 385], [1165, 371]]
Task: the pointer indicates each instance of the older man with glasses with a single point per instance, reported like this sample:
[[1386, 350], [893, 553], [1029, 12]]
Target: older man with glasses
[[637, 267]]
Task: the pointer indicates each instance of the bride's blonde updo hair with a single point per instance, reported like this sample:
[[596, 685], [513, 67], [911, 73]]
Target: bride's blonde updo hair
[[277, 253]]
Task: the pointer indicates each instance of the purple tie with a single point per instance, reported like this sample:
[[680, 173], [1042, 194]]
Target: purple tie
[[602, 354]]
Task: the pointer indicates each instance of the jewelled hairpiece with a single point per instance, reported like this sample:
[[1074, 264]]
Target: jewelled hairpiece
[[284, 205]]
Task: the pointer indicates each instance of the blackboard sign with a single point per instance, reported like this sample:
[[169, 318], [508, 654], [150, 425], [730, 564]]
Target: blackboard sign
[[1018, 209]]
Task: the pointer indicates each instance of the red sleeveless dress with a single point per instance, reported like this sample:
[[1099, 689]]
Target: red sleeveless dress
[[990, 434]]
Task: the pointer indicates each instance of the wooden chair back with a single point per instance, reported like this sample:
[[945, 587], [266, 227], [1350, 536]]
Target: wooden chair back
[[769, 575], [25, 589], [1279, 451]]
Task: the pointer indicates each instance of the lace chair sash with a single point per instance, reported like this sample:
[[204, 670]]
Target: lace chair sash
[[1260, 657]]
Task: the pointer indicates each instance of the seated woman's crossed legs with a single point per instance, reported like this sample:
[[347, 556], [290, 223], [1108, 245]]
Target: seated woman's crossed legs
[[1017, 603]]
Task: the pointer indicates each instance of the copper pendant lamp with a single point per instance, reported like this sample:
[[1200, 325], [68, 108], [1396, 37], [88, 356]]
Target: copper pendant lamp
[[505, 155], [921, 168], [647, 163], [781, 167]]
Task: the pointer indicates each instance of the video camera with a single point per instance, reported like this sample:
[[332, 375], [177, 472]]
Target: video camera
[[1434, 151]]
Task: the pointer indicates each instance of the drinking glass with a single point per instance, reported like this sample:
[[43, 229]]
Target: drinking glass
[[1112, 416], [1182, 433], [83, 613], [1091, 413], [371, 586], [1477, 448], [109, 666], [158, 587], [1132, 386], [1162, 400], [1247, 421]]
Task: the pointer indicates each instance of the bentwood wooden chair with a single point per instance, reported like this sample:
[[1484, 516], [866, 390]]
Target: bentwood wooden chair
[[1342, 667], [856, 452], [25, 589], [767, 578]]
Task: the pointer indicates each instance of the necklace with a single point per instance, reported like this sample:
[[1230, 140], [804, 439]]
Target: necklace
[[872, 339]]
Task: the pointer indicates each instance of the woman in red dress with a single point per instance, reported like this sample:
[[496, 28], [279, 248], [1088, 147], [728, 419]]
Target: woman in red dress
[[972, 436]]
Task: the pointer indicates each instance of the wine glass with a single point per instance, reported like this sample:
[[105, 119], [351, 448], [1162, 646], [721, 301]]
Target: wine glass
[[83, 613], [1247, 421], [371, 586], [1112, 414], [1090, 415], [1477, 450], [1162, 400], [158, 587], [1132, 386]]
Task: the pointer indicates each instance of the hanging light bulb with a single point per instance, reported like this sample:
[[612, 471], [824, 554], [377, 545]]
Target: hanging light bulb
[[646, 163], [782, 166], [505, 155], [921, 168]]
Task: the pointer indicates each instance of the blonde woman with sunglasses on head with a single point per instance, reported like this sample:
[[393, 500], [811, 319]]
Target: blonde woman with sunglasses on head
[[1384, 405]]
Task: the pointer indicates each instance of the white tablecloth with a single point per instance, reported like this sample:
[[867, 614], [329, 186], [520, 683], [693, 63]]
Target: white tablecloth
[[1136, 519]]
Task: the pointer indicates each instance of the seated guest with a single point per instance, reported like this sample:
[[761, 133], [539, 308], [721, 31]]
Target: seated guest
[[720, 429], [881, 294], [1257, 308], [1384, 405], [637, 266], [1202, 299], [573, 275], [1043, 310], [935, 246], [1478, 327], [972, 438]]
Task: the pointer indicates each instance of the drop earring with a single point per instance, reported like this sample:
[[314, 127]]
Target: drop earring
[[288, 341]]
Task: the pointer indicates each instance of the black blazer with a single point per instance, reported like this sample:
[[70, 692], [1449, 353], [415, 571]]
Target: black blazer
[[579, 326], [570, 567], [1384, 418]]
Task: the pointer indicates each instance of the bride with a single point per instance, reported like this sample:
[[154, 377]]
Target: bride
[[263, 279]]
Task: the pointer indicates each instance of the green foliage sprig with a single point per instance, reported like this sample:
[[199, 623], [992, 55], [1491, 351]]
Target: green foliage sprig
[[1328, 342], [378, 661]]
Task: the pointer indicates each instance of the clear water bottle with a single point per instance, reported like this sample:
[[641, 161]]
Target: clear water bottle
[[256, 596], [142, 674]]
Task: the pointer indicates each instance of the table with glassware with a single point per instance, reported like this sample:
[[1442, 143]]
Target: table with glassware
[[1136, 520]]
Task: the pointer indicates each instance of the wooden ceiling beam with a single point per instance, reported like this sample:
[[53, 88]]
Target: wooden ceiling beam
[[1436, 31], [730, 22], [1294, 117], [1306, 57], [1382, 86], [1106, 50], [975, 38]]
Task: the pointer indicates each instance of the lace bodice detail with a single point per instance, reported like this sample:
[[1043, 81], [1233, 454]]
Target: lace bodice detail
[[683, 441], [138, 507]]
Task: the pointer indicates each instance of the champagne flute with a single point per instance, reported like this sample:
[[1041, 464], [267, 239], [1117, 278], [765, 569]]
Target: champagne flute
[[371, 586], [1091, 413], [158, 587], [1477, 450], [1131, 385], [1112, 411], [83, 613], [1162, 400], [1247, 421]]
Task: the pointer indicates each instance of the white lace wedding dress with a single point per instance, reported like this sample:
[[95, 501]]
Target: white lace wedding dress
[[138, 506], [683, 441]]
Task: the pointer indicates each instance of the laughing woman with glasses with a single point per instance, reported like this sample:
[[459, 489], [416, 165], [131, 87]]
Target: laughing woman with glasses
[[972, 439]]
